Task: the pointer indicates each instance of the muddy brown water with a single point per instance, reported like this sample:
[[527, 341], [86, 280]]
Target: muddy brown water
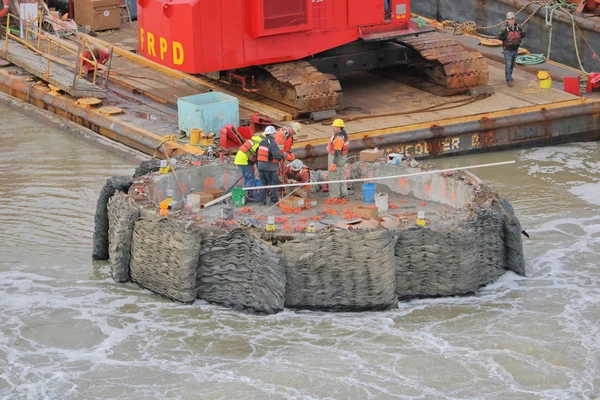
[[68, 331]]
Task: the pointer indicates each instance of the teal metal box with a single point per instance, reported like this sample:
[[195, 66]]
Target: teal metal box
[[208, 111]]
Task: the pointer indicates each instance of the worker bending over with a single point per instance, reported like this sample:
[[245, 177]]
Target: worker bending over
[[338, 150], [269, 157], [297, 172], [285, 139], [245, 160]]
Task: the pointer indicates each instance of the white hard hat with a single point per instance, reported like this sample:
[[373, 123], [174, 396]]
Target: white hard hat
[[510, 15], [296, 165], [270, 130]]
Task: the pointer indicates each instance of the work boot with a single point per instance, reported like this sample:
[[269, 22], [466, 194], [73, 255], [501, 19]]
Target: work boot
[[510, 83]]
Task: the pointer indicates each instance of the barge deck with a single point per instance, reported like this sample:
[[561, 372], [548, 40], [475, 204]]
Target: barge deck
[[382, 110]]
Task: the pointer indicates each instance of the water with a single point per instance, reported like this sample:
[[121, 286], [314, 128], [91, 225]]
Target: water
[[67, 331]]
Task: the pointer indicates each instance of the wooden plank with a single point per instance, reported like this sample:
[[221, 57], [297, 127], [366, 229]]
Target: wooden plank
[[59, 76]]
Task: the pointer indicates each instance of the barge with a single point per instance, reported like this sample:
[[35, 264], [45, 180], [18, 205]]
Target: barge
[[383, 108]]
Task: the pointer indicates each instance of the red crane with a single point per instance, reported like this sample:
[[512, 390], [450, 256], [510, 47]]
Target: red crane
[[289, 50]]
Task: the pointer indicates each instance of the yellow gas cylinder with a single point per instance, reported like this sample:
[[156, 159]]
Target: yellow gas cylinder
[[164, 167], [270, 224], [169, 198], [421, 218], [195, 135], [544, 78]]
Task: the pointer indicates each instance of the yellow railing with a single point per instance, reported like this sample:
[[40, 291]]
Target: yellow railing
[[34, 29]]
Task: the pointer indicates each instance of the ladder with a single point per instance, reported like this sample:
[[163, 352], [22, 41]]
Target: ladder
[[124, 12]]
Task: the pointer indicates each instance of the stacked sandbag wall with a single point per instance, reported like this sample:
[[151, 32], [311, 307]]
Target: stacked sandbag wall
[[100, 241], [341, 271], [164, 257], [122, 214], [242, 272]]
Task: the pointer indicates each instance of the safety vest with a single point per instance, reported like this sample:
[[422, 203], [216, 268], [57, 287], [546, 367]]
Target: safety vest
[[264, 154], [344, 136], [246, 153], [514, 36]]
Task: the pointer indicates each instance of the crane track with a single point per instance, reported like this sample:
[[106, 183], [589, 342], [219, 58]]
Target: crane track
[[452, 65]]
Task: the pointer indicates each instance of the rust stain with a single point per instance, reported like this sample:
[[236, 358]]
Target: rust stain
[[436, 145]]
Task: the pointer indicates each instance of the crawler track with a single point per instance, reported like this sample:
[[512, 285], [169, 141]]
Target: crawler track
[[451, 65]]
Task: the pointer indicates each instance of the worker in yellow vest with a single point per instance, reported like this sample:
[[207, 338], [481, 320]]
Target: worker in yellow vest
[[338, 151], [245, 160]]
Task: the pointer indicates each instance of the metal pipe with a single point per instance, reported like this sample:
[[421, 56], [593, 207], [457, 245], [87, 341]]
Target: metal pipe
[[380, 178]]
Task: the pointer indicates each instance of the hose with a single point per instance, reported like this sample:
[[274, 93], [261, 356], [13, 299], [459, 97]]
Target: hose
[[531, 59], [565, 7]]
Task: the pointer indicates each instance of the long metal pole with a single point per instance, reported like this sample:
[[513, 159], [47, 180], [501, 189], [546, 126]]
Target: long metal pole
[[380, 178]]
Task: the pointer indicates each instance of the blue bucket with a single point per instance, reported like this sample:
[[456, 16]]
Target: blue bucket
[[368, 192]]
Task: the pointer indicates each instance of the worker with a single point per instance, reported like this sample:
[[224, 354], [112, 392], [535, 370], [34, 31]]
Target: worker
[[99, 55], [297, 172], [285, 139], [245, 160], [338, 150], [511, 37], [269, 157]]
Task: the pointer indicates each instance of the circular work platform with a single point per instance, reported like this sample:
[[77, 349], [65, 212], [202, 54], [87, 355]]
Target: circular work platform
[[353, 262]]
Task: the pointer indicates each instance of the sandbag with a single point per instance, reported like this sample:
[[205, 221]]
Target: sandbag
[[100, 241], [341, 271], [146, 167], [238, 271], [122, 214], [164, 257], [515, 261], [457, 262]]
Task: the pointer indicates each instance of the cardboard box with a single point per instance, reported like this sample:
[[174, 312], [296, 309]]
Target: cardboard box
[[99, 15], [292, 202], [204, 197], [370, 155], [365, 213], [214, 192]]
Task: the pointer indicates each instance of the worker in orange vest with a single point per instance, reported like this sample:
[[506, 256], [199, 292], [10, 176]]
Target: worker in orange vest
[[297, 172], [268, 157], [336, 160], [285, 139]]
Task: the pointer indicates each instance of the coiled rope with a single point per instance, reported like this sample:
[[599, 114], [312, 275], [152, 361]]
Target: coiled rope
[[531, 59]]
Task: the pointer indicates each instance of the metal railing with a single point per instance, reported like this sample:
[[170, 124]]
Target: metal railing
[[35, 36]]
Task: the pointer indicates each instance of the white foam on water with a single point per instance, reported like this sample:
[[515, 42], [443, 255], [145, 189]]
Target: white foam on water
[[69, 331], [589, 192]]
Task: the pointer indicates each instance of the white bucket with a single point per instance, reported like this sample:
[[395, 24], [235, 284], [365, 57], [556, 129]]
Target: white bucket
[[193, 201], [381, 201]]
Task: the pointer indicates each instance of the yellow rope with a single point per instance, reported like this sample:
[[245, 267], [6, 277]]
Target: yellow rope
[[167, 139], [533, 87]]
